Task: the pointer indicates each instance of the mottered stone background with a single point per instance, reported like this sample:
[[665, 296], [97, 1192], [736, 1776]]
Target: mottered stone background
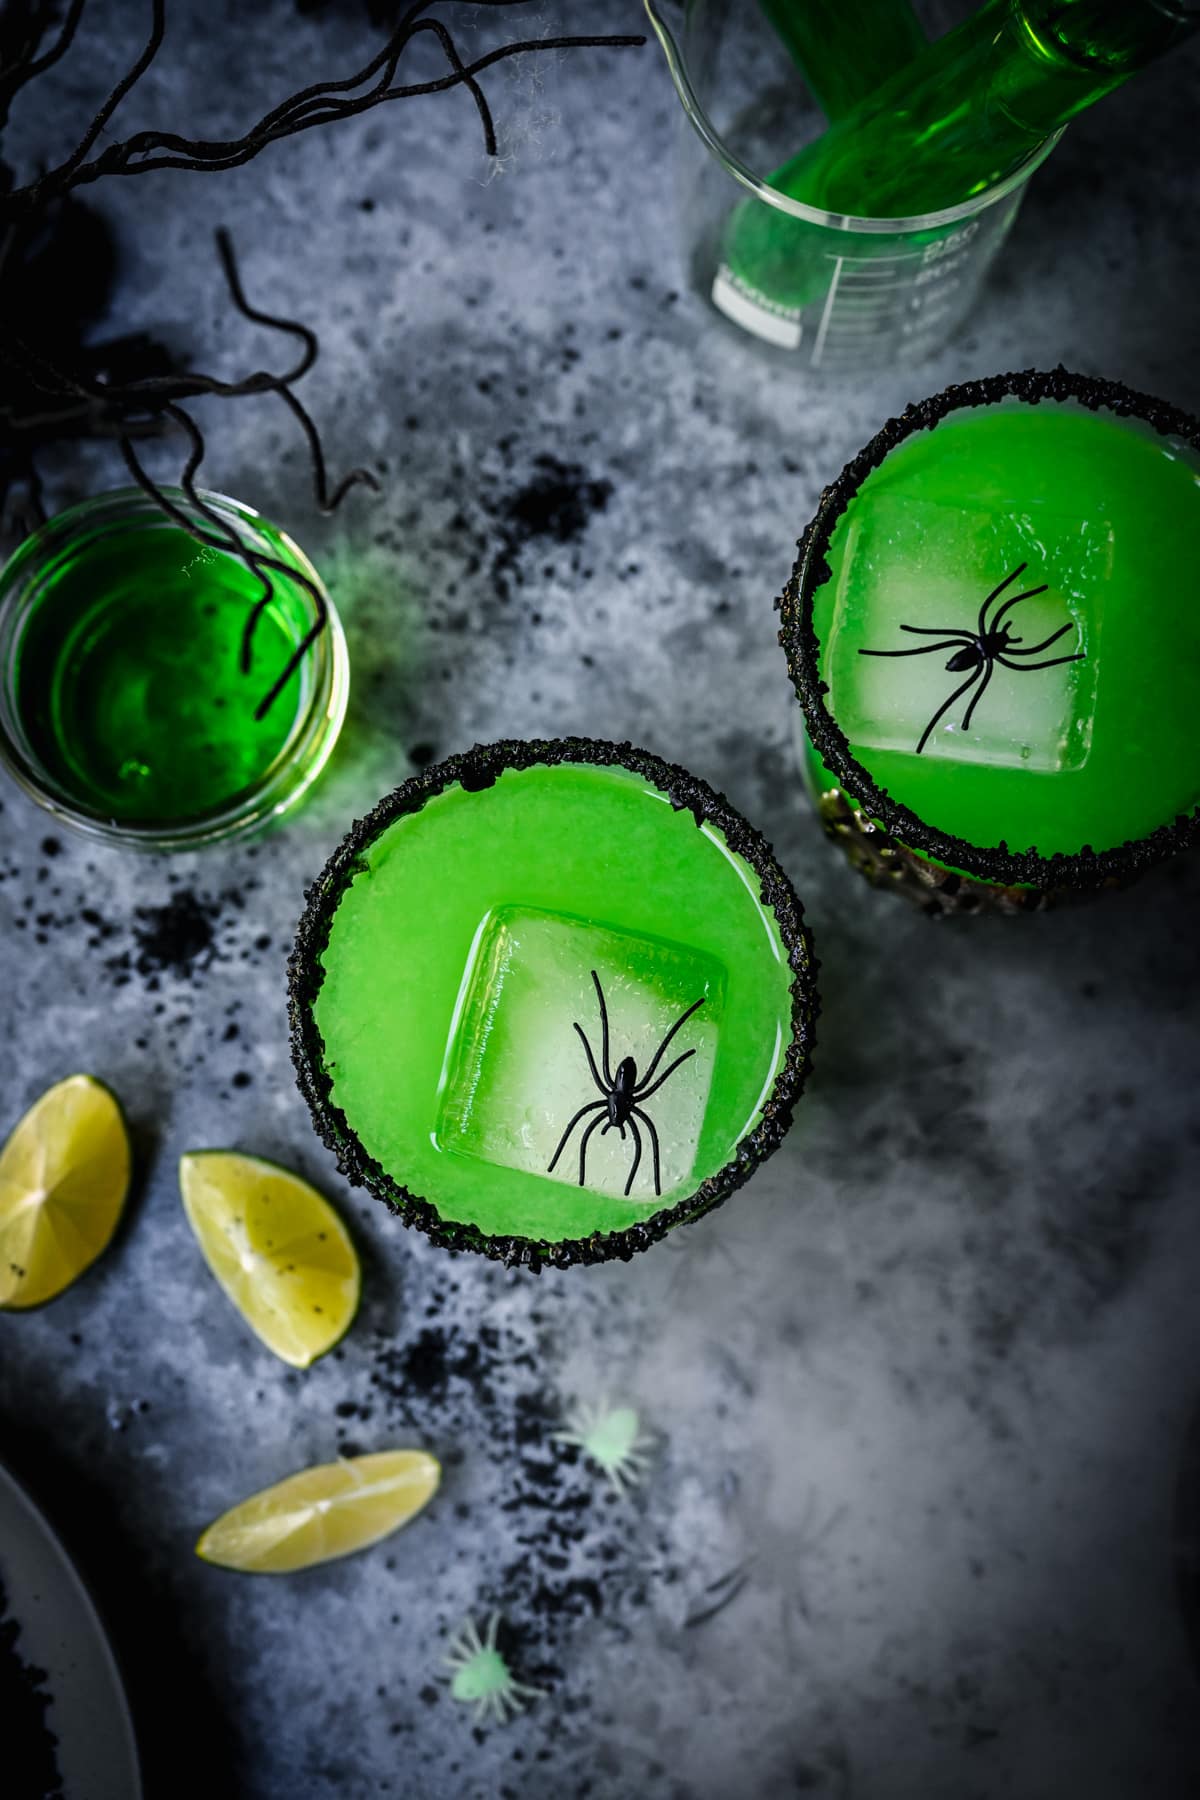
[[921, 1393]]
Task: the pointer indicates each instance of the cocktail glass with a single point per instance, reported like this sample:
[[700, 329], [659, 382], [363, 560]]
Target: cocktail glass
[[551, 999], [127, 705], [992, 633]]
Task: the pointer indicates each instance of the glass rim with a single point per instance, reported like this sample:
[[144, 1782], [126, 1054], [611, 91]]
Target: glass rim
[[474, 770], [272, 793], [851, 223], [1081, 872]]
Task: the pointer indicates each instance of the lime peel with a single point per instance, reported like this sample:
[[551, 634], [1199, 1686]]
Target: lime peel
[[321, 1513], [64, 1179], [277, 1248]]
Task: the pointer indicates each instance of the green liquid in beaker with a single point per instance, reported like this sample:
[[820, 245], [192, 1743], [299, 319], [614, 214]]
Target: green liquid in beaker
[[128, 684], [1106, 515], [950, 125]]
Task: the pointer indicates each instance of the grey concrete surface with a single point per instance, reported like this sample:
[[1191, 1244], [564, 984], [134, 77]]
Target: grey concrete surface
[[926, 1382]]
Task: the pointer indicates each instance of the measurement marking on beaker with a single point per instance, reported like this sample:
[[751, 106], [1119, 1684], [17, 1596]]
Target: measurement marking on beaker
[[874, 287], [827, 312], [866, 262]]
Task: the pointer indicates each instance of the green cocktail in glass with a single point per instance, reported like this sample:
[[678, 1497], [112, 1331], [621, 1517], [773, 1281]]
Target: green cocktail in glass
[[992, 632], [126, 702], [552, 998]]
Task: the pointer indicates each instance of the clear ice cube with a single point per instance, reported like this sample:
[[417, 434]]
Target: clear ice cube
[[515, 1070], [923, 564]]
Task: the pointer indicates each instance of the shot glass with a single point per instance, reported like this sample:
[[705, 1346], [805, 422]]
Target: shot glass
[[129, 706], [550, 1000], [992, 634], [840, 295]]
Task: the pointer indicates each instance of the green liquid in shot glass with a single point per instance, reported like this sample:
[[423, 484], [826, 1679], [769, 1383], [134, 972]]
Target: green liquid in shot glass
[[128, 680]]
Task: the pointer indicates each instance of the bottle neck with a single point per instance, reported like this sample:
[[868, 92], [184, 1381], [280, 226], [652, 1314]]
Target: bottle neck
[[1107, 38], [1070, 53]]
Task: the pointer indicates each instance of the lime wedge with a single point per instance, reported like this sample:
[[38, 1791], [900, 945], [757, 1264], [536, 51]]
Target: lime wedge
[[64, 1175], [277, 1248], [331, 1510]]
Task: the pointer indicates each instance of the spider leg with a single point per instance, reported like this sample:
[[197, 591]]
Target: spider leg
[[592, 1061], [609, 1127], [493, 1625], [1015, 601], [996, 593], [616, 1478], [950, 631], [604, 1028], [463, 1647], [583, 1144], [946, 705], [637, 1155], [987, 676], [923, 649], [592, 1106], [658, 1054], [648, 1122], [642, 1092], [1080, 656], [1045, 643]]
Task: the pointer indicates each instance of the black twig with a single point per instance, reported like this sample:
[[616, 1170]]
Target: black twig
[[22, 29], [138, 407], [319, 104], [74, 392]]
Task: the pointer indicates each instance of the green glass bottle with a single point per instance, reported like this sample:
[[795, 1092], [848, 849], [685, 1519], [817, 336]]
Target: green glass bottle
[[949, 126], [845, 49], [977, 102]]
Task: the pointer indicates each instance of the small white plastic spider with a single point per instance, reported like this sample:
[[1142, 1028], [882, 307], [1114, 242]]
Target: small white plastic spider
[[611, 1436], [481, 1676]]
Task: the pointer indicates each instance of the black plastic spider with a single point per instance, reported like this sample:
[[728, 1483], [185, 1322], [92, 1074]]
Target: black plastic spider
[[981, 650], [622, 1093]]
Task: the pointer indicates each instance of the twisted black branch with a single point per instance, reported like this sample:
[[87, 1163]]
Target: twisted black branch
[[22, 28], [138, 407], [320, 104], [127, 388]]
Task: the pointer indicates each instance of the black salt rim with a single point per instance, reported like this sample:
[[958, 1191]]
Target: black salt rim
[[1081, 871], [475, 770]]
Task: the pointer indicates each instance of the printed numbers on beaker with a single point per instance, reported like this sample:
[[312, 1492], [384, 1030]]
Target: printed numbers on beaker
[[944, 246], [942, 273]]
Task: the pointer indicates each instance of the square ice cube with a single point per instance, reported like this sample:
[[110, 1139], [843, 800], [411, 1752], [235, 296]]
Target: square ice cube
[[516, 1071], [931, 567]]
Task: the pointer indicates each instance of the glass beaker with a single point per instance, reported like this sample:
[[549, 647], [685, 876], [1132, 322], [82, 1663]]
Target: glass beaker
[[839, 294]]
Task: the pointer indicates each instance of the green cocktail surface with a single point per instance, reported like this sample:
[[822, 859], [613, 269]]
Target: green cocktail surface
[[1097, 520], [467, 947], [127, 677]]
